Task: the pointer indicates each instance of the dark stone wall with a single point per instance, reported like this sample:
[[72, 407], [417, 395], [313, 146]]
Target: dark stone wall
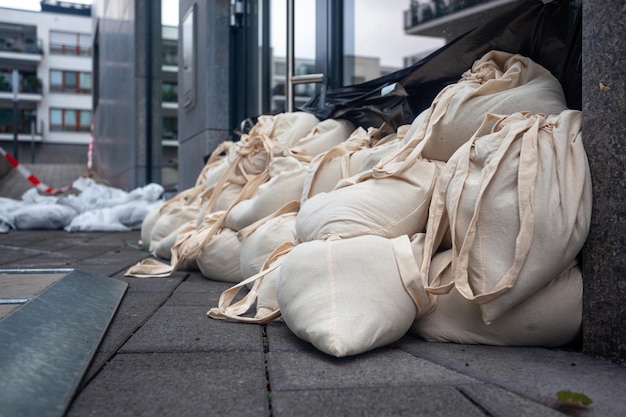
[[604, 130]]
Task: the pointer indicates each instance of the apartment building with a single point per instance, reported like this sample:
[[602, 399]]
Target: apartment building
[[51, 51]]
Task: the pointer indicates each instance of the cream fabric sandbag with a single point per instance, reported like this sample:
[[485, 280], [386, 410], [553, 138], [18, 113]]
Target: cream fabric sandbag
[[286, 178], [500, 83], [364, 205], [359, 153], [173, 214], [214, 249], [258, 245], [348, 296], [163, 249], [550, 317], [327, 168], [517, 199], [219, 257], [289, 128], [262, 292], [324, 136], [147, 225]]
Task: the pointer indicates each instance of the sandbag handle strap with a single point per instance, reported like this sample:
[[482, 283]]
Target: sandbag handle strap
[[528, 127], [226, 310], [409, 273]]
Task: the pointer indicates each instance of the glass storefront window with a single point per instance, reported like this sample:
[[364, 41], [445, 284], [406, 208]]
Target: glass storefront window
[[379, 43], [304, 50]]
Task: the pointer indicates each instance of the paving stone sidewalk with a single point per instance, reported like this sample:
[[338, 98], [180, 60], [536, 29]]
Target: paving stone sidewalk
[[162, 356]]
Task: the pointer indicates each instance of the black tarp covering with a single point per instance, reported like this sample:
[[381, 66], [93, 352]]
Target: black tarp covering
[[550, 34]]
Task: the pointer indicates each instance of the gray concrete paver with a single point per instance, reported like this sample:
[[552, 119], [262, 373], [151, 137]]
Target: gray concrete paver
[[499, 402], [414, 401], [536, 373], [280, 338], [134, 310], [188, 329], [177, 384], [383, 367], [198, 291]]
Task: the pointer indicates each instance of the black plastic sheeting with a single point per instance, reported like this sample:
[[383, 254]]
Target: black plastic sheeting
[[550, 34]]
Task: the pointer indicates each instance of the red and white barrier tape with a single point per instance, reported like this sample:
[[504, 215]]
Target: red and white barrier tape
[[30, 177], [90, 158]]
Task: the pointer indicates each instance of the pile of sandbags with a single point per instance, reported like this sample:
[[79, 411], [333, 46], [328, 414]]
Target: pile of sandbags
[[91, 207], [463, 226]]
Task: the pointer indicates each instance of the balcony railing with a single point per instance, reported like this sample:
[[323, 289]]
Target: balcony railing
[[28, 85], [169, 93], [27, 45]]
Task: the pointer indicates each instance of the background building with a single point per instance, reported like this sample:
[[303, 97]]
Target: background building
[[52, 51]]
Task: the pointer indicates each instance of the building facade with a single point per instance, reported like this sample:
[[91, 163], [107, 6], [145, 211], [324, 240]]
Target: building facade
[[51, 51]]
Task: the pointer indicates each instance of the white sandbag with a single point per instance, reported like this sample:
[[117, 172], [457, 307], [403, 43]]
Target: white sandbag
[[349, 296], [324, 136], [550, 317], [518, 198], [32, 196], [42, 216], [256, 247], [7, 208], [97, 220], [285, 185], [133, 213], [6, 223], [94, 195], [364, 205]]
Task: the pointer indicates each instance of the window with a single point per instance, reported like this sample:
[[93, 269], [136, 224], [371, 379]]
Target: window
[[67, 43], [70, 120], [70, 82]]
